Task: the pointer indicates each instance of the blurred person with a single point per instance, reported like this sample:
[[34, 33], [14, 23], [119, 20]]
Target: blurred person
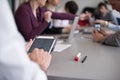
[[15, 64], [104, 14], [60, 26], [86, 17], [32, 18], [109, 39]]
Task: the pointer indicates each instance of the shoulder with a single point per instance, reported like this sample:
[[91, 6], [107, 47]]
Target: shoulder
[[23, 7], [109, 13]]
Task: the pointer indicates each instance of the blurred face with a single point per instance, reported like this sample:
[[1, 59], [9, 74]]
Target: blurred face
[[103, 9], [54, 2], [115, 4], [88, 14], [41, 2]]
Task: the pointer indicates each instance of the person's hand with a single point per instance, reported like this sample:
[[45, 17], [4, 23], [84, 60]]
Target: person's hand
[[78, 27], [27, 46], [83, 17], [41, 57], [47, 16], [103, 32], [67, 29], [98, 37]]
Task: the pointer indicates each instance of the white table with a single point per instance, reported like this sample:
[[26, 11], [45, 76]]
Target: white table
[[102, 63]]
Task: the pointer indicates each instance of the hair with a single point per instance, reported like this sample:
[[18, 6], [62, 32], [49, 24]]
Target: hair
[[72, 7], [47, 1], [89, 9], [101, 4]]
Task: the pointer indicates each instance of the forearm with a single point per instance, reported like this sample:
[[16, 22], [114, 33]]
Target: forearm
[[63, 16], [36, 31], [113, 27], [112, 40]]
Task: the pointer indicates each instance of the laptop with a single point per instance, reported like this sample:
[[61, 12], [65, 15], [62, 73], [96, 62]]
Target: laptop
[[64, 78], [71, 34]]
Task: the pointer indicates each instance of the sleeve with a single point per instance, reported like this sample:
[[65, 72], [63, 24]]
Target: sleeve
[[112, 40], [14, 61], [111, 17], [113, 27], [63, 16], [23, 21]]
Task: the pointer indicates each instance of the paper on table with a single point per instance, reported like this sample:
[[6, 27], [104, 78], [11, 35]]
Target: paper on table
[[59, 41], [61, 47]]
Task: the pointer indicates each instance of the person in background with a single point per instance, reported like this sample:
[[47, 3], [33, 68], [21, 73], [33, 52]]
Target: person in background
[[60, 26], [105, 38], [32, 18], [86, 17], [104, 14], [15, 64]]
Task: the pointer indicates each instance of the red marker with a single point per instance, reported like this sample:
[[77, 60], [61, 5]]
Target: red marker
[[77, 57]]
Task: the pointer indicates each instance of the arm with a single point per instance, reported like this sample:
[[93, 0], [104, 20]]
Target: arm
[[109, 25], [112, 40], [25, 25], [113, 27], [111, 18], [63, 16], [14, 61]]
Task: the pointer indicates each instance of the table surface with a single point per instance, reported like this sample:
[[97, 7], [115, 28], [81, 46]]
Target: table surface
[[102, 63]]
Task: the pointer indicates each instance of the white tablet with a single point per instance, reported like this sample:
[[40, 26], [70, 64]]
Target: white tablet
[[43, 42]]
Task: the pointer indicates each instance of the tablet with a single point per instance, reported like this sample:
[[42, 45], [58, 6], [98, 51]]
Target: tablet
[[43, 42]]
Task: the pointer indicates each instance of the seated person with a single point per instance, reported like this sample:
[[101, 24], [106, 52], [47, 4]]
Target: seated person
[[86, 17], [109, 39], [104, 14], [15, 64], [60, 26], [32, 18]]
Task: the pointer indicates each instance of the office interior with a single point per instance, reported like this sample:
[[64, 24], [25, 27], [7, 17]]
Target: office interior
[[80, 57]]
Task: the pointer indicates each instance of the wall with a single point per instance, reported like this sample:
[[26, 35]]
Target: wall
[[81, 3]]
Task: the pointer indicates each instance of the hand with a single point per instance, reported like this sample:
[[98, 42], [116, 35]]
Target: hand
[[47, 16], [103, 32], [41, 57], [67, 29], [27, 46], [98, 37], [83, 17], [78, 27]]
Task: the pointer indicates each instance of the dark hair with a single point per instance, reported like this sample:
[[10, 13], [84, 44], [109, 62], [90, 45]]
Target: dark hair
[[89, 9], [72, 7], [47, 1], [101, 4]]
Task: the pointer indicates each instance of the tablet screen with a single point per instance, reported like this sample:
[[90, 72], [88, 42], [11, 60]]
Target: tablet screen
[[42, 43]]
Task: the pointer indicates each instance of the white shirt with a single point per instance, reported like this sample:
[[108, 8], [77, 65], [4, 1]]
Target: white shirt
[[115, 15], [61, 23], [114, 27], [14, 61]]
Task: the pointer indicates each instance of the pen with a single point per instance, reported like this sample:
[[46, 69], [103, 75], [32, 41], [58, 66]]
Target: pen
[[84, 59]]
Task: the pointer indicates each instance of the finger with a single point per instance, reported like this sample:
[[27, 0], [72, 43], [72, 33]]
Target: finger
[[95, 31]]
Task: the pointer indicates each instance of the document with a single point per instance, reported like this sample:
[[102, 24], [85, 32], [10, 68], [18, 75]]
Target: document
[[61, 47]]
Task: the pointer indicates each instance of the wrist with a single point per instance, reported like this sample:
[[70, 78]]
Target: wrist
[[42, 67], [106, 23]]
